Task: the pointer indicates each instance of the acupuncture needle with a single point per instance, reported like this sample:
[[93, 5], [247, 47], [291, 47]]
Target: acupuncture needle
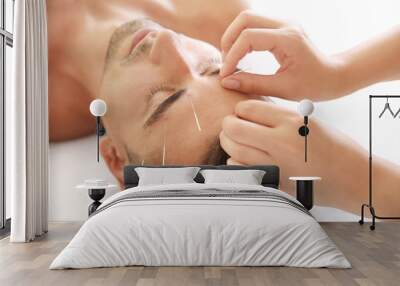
[[164, 149], [195, 114]]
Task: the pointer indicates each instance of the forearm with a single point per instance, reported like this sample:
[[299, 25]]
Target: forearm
[[371, 62], [386, 187], [346, 181]]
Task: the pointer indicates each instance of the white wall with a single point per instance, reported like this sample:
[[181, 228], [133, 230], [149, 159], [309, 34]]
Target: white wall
[[333, 26], [70, 164]]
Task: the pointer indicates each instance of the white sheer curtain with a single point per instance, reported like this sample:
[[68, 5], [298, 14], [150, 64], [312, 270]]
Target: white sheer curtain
[[27, 124]]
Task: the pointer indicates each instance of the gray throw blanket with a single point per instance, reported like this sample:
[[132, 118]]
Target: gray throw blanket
[[206, 193]]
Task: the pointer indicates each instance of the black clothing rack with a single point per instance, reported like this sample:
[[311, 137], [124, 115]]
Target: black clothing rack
[[370, 204]]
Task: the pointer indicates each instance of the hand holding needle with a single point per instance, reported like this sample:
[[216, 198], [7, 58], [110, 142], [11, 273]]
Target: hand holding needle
[[304, 71]]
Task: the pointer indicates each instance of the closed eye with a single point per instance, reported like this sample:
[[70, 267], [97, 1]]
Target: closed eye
[[164, 106]]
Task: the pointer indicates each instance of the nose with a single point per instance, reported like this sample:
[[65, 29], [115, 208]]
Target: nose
[[169, 53]]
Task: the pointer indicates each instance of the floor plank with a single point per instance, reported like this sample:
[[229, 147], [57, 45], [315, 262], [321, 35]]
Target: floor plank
[[375, 257]]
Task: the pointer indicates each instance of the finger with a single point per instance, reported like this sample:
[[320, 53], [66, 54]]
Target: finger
[[272, 85], [264, 113], [248, 40], [245, 20], [244, 154], [249, 133], [231, 161]]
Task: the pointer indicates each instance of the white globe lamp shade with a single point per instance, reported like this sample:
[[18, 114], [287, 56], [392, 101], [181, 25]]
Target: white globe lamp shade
[[306, 107], [98, 107]]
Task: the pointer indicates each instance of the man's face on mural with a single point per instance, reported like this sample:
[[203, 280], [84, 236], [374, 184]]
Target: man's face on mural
[[165, 103]]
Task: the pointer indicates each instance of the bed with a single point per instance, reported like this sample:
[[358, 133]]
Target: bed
[[201, 224]]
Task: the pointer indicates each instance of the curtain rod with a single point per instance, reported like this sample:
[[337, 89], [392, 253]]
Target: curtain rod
[[384, 96]]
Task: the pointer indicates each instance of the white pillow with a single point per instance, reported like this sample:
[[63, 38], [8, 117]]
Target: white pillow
[[248, 177], [163, 176]]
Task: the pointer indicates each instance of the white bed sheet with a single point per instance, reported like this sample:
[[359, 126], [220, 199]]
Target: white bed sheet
[[193, 231]]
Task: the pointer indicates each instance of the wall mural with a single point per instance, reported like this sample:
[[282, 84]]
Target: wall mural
[[156, 65]]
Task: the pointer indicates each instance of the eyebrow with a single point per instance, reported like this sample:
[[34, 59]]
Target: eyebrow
[[163, 107], [166, 104]]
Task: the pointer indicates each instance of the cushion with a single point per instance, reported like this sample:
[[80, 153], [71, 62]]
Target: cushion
[[247, 177], [162, 176]]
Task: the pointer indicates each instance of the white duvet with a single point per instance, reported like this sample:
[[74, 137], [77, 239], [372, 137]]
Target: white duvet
[[188, 231]]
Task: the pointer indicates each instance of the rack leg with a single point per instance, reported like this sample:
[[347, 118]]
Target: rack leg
[[361, 221], [372, 210]]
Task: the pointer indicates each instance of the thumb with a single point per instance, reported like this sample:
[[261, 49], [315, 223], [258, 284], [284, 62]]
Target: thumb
[[271, 85]]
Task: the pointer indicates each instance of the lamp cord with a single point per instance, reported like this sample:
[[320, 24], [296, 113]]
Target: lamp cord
[[98, 135], [305, 146]]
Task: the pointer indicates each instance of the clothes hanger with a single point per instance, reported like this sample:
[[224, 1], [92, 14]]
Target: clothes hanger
[[397, 113], [387, 107]]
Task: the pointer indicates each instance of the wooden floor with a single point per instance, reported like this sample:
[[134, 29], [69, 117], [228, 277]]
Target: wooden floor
[[375, 257]]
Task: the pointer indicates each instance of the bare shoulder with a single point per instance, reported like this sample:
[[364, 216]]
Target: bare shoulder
[[69, 116], [68, 99]]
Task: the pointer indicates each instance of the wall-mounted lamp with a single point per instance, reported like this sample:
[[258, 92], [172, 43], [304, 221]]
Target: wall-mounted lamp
[[98, 108], [305, 108]]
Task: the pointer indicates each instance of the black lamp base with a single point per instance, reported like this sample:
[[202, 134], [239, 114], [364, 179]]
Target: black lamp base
[[305, 194], [96, 195]]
